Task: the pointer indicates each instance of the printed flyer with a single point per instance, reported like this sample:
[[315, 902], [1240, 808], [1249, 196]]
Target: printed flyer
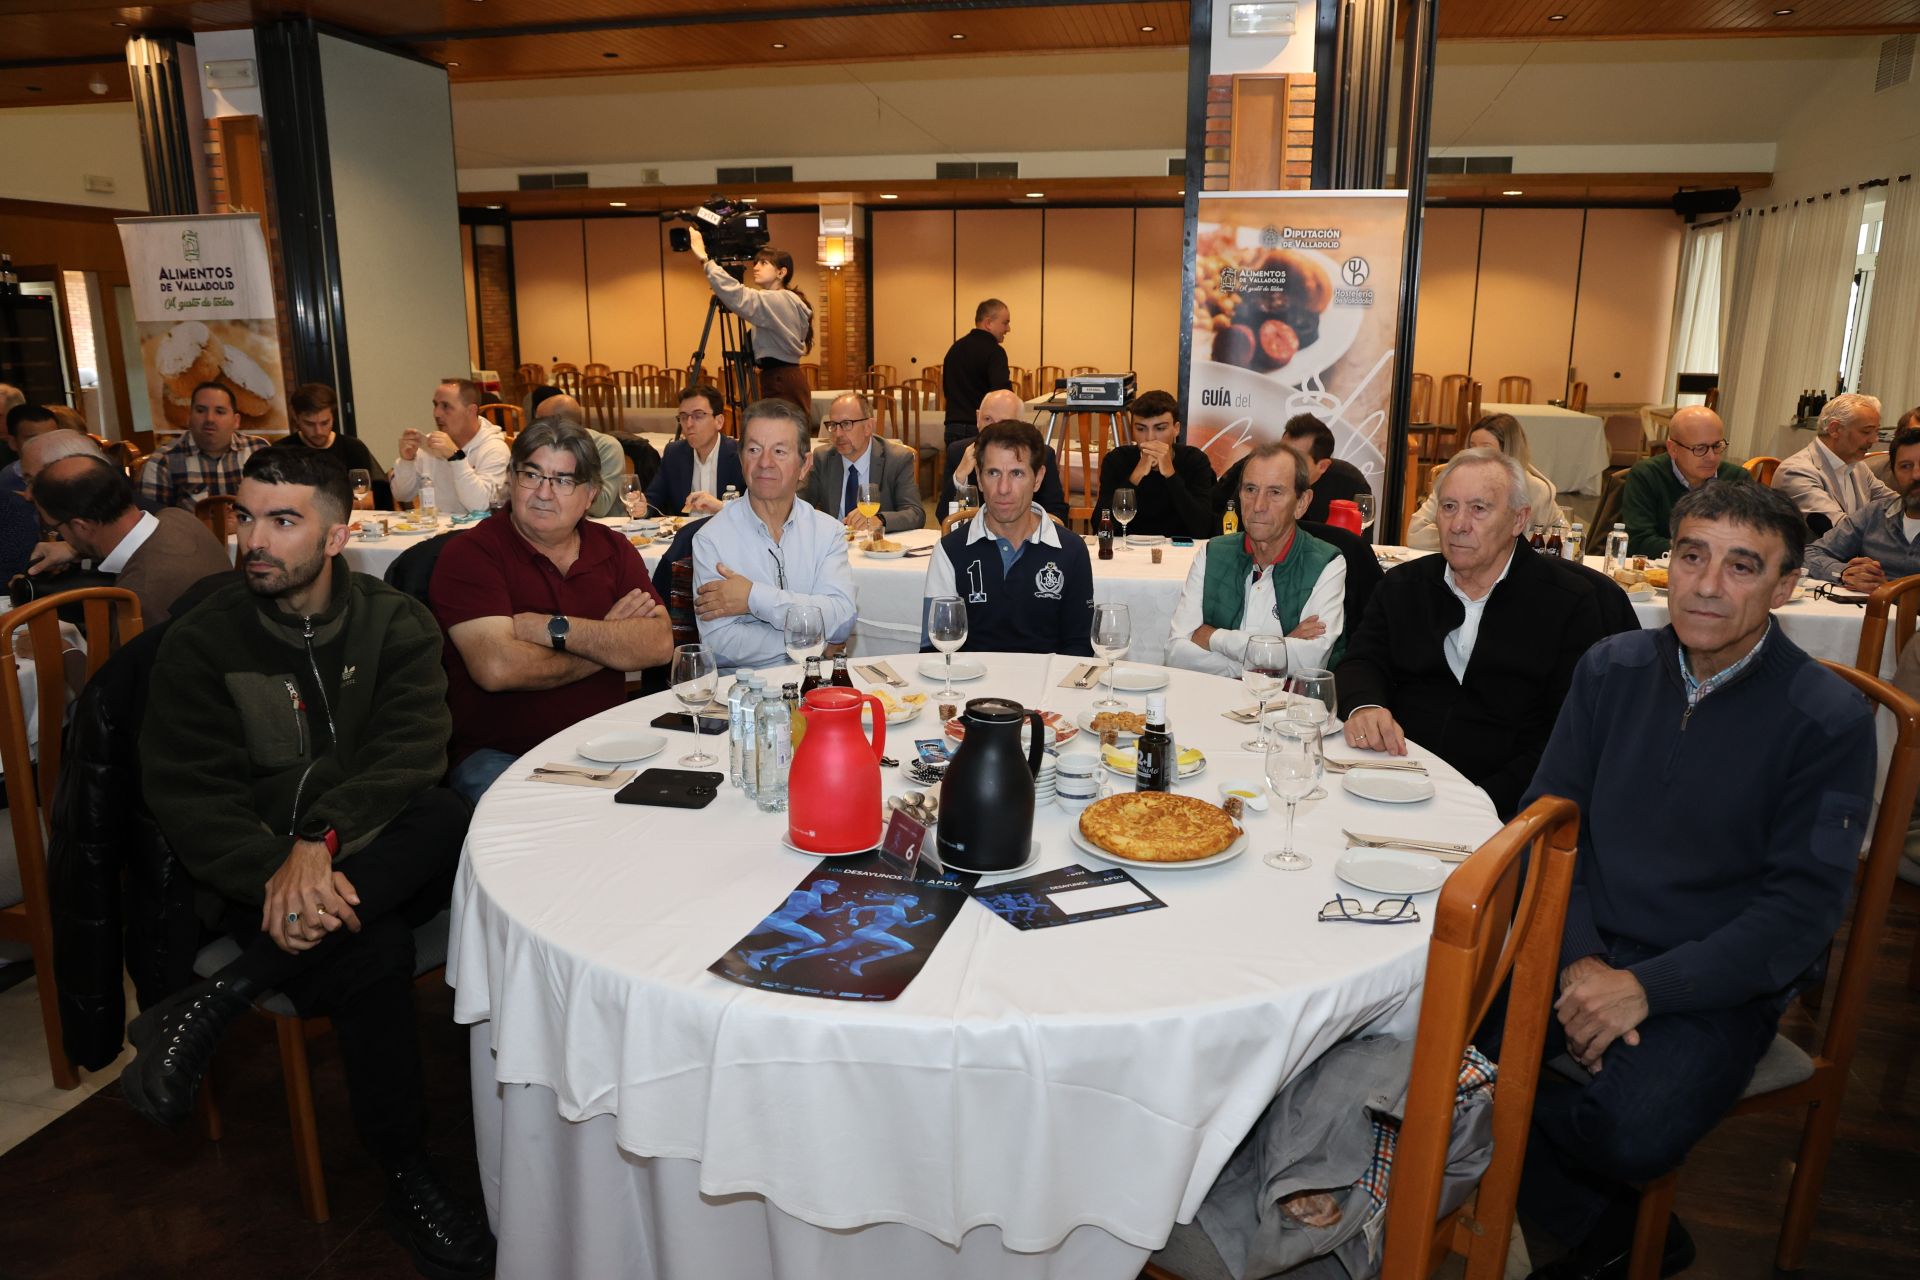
[[1296, 309], [203, 310]]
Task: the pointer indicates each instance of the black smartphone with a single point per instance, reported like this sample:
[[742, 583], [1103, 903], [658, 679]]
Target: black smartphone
[[672, 788], [1183, 542], [684, 723]]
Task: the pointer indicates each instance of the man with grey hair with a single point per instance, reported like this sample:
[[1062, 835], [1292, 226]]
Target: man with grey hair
[[757, 558], [853, 458], [1469, 653], [613, 459], [544, 610], [1881, 540], [1829, 480]]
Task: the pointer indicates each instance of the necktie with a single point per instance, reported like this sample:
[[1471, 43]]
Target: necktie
[[853, 489]]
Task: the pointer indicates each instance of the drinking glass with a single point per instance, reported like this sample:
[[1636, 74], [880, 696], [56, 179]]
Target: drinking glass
[[362, 481], [694, 678], [1112, 633], [806, 632], [869, 504], [947, 629], [963, 497], [633, 496], [1124, 509], [1310, 698], [1364, 500], [1265, 667], [1294, 766]]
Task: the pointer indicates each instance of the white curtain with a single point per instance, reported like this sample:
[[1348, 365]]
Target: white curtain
[[1695, 336], [1890, 364], [1786, 313]]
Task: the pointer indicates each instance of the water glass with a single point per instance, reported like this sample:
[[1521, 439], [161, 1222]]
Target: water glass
[[694, 677], [806, 635], [1124, 509], [1112, 633], [1262, 672], [1294, 767], [1364, 500], [633, 496], [947, 630]]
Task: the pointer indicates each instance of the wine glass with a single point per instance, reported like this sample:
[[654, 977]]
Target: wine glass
[[1294, 765], [1364, 500], [1261, 673], [1112, 633], [947, 629], [869, 504], [1124, 509], [694, 678], [806, 632], [963, 497], [362, 481], [1310, 698], [633, 496]]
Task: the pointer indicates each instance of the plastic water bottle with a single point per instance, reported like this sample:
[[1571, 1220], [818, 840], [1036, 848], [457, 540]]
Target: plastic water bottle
[[750, 739], [1576, 544], [1617, 548], [429, 507], [736, 699], [776, 749]]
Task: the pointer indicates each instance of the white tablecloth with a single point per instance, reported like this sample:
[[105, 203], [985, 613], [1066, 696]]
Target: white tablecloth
[[1569, 448], [1029, 1084]]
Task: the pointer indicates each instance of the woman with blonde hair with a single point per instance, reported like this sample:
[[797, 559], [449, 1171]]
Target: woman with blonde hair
[[1500, 431]]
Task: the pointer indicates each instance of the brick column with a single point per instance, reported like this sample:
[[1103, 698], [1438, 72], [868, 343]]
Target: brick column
[[840, 319], [493, 295]]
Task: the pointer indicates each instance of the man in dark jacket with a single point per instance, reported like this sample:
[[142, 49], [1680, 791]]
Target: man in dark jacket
[[295, 734], [1725, 783], [1333, 478], [974, 365], [702, 464], [1469, 653], [1172, 482]]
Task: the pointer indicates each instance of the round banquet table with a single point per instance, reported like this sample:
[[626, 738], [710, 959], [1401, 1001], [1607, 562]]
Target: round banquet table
[[1043, 1103]]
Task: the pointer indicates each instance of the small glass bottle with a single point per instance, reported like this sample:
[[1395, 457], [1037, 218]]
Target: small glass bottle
[[1106, 534], [429, 504], [1617, 548], [776, 749], [842, 678], [1155, 757], [814, 679], [1230, 521], [730, 494], [796, 723], [1576, 544]]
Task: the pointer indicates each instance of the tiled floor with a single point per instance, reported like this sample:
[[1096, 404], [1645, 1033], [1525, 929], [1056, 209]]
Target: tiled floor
[[28, 1100]]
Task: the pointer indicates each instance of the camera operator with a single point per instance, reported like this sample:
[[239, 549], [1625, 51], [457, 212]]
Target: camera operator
[[780, 314]]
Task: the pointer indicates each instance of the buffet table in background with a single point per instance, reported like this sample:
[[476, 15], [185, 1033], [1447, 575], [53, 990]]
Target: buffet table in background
[[1041, 1103], [1569, 448]]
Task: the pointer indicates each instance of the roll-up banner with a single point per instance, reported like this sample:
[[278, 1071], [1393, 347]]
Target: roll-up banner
[[1296, 309], [203, 311]]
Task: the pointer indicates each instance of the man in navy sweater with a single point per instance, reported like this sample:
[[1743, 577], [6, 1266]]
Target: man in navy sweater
[[1724, 782], [1027, 581]]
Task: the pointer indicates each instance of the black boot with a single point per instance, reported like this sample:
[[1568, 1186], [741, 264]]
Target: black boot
[[448, 1240], [173, 1045]]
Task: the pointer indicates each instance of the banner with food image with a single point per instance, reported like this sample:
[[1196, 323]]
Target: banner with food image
[[203, 310], [1296, 309]]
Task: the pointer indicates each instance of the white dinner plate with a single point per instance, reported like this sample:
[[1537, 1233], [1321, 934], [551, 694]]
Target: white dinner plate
[[1140, 679], [622, 747], [1395, 786], [964, 669], [1147, 539], [896, 554], [907, 711], [1232, 851], [787, 840], [1085, 721], [1128, 770], [1390, 870]]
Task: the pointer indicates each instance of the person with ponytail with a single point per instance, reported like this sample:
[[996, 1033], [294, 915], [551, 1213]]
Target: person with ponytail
[[780, 314]]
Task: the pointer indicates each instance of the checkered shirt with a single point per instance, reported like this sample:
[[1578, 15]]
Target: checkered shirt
[[1476, 1073], [172, 475]]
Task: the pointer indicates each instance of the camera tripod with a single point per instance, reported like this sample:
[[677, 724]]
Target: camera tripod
[[737, 379]]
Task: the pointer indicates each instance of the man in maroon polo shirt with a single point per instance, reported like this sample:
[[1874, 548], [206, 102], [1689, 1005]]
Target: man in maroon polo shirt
[[544, 610]]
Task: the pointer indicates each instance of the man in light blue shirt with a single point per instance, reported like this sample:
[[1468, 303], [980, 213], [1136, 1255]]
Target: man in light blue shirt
[[760, 555]]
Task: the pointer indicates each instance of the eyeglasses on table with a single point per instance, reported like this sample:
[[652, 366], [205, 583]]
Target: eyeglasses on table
[[1385, 911]]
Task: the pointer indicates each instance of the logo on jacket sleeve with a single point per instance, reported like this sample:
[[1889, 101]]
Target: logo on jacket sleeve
[[1049, 582]]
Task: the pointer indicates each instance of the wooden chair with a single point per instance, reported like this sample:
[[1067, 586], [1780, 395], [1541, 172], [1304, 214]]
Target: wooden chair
[[508, 417], [925, 393], [645, 370], [216, 512], [869, 383], [1713, 398], [937, 375], [1421, 426], [529, 376], [1577, 398], [1446, 415], [600, 396], [1789, 1079], [1083, 449], [1762, 468], [1626, 439], [1080, 369], [1410, 484], [30, 802], [657, 391], [1491, 929], [595, 370], [901, 413], [1043, 379], [812, 373], [566, 377], [887, 373], [1899, 598], [627, 384], [1516, 390]]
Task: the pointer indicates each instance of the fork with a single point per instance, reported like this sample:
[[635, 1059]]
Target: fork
[[570, 772], [873, 672], [1400, 766], [1094, 672], [1446, 852]]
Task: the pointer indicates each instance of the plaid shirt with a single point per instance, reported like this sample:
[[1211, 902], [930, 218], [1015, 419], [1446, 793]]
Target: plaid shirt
[[182, 473], [1476, 1073]]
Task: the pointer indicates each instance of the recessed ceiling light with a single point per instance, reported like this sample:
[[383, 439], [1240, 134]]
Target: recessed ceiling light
[[956, 36], [1036, 195], [1783, 13], [609, 54], [453, 64], [1556, 17], [496, 206], [778, 45], [1149, 28], [1513, 193], [121, 24], [888, 196], [617, 204]]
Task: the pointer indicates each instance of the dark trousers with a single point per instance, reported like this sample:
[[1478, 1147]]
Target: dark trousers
[[1595, 1144], [787, 382], [364, 981]]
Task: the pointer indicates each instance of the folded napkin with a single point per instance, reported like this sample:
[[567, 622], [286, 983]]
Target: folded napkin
[[1092, 673]]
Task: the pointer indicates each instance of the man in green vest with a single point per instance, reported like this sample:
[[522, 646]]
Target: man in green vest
[[1274, 579]]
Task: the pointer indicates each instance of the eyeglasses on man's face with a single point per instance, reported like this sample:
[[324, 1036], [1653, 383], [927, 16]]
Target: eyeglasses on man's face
[[532, 478], [692, 419], [1385, 911], [837, 425], [1701, 450]]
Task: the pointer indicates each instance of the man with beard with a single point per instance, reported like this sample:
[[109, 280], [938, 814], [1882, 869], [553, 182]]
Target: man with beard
[[292, 748], [1877, 542], [206, 459]]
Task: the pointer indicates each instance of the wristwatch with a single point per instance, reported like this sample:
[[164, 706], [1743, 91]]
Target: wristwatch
[[318, 834], [458, 455], [557, 628]]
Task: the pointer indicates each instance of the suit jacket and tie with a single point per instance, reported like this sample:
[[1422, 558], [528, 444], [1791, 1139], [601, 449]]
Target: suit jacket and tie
[[667, 495], [893, 470]]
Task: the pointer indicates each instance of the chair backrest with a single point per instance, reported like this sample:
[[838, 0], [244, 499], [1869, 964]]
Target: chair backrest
[[811, 372], [627, 380], [686, 626], [565, 377], [1713, 398], [1409, 484], [1080, 369], [869, 382], [1577, 398], [216, 512], [1607, 511], [1448, 405], [888, 374], [1045, 377], [1018, 378], [1901, 599], [657, 391], [112, 617], [1420, 404], [530, 376], [900, 414], [600, 397], [412, 570], [925, 393], [1874, 889], [1498, 922], [508, 417], [936, 374], [595, 370], [1516, 390], [1625, 435], [1084, 448], [1762, 467]]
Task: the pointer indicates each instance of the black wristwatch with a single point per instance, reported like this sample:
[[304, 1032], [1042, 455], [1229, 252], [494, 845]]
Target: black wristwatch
[[459, 455], [557, 628]]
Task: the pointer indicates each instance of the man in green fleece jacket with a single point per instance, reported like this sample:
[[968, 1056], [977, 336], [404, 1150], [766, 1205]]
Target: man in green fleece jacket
[[292, 748], [1696, 453]]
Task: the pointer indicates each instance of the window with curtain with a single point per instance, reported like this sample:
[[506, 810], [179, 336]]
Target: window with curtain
[[1695, 347]]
